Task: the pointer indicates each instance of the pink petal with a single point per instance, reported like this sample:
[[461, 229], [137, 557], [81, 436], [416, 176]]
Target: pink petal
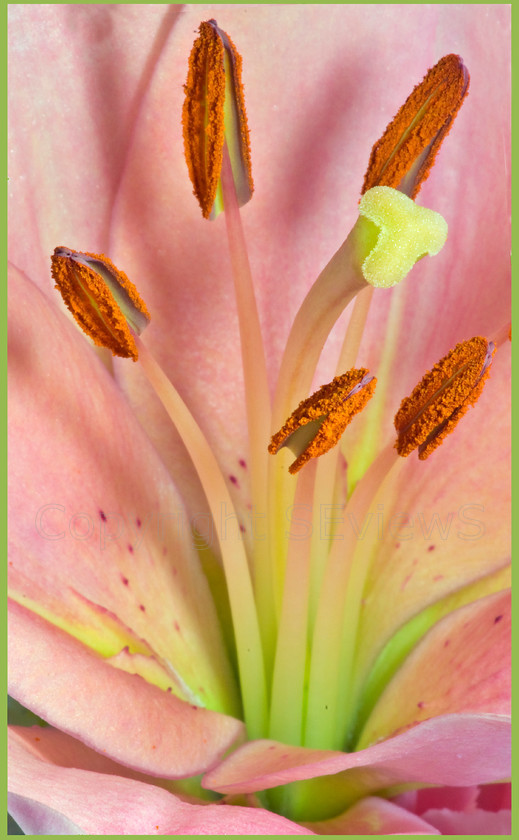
[[476, 810], [93, 68], [440, 525], [373, 815], [475, 822], [496, 797], [35, 818], [453, 798], [461, 665], [101, 804], [116, 713], [445, 750], [134, 580]]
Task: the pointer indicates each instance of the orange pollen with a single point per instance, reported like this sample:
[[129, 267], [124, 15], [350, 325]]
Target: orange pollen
[[203, 112], [335, 406], [419, 128], [443, 396], [95, 308]]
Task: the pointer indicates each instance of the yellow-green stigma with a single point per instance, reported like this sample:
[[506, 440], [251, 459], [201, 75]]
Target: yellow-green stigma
[[394, 233]]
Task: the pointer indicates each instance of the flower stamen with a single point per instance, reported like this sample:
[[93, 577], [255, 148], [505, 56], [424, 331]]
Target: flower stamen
[[443, 396], [214, 114], [102, 299], [413, 138], [318, 422]]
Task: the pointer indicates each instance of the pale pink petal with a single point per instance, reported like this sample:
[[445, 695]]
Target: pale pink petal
[[373, 815], [56, 747], [441, 524], [474, 822], [35, 818], [101, 804], [72, 114], [109, 710], [99, 544], [445, 750], [99, 537], [461, 665], [456, 810]]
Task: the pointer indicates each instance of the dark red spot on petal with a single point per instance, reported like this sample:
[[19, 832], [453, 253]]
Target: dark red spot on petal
[[421, 704], [242, 528], [130, 548], [138, 523], [431, 548], [177, 626], [102, 514], [142, 607], [125, 580], [446, 643], [242, 463], [497, 618], [233, 480]]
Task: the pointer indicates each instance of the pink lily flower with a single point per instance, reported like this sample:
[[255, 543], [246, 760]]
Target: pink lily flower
[[121, 635]]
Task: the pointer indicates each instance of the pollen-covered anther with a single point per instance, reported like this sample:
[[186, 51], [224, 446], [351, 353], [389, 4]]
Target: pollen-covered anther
[[405, 153], [105, 304], [319, 421], [443, 396], [214, 114]]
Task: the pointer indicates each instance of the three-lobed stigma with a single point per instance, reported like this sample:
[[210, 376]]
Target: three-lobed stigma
[[318, 422], [394, 233], [102, 299], [443, 396]]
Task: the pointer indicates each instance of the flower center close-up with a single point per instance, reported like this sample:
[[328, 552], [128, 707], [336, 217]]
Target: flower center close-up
[[242, 600]]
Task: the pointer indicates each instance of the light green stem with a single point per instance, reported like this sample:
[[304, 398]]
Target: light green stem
[[342, 585], [336, 286], [328, 478], [286, 715]]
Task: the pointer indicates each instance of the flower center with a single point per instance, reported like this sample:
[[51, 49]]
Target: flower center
[[295, 599]]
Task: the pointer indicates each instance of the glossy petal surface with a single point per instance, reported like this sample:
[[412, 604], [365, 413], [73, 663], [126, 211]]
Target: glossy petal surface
[[101, 804], [415, 756]]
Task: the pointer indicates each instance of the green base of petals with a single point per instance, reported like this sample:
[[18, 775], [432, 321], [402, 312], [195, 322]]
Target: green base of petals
[[408, 636]]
